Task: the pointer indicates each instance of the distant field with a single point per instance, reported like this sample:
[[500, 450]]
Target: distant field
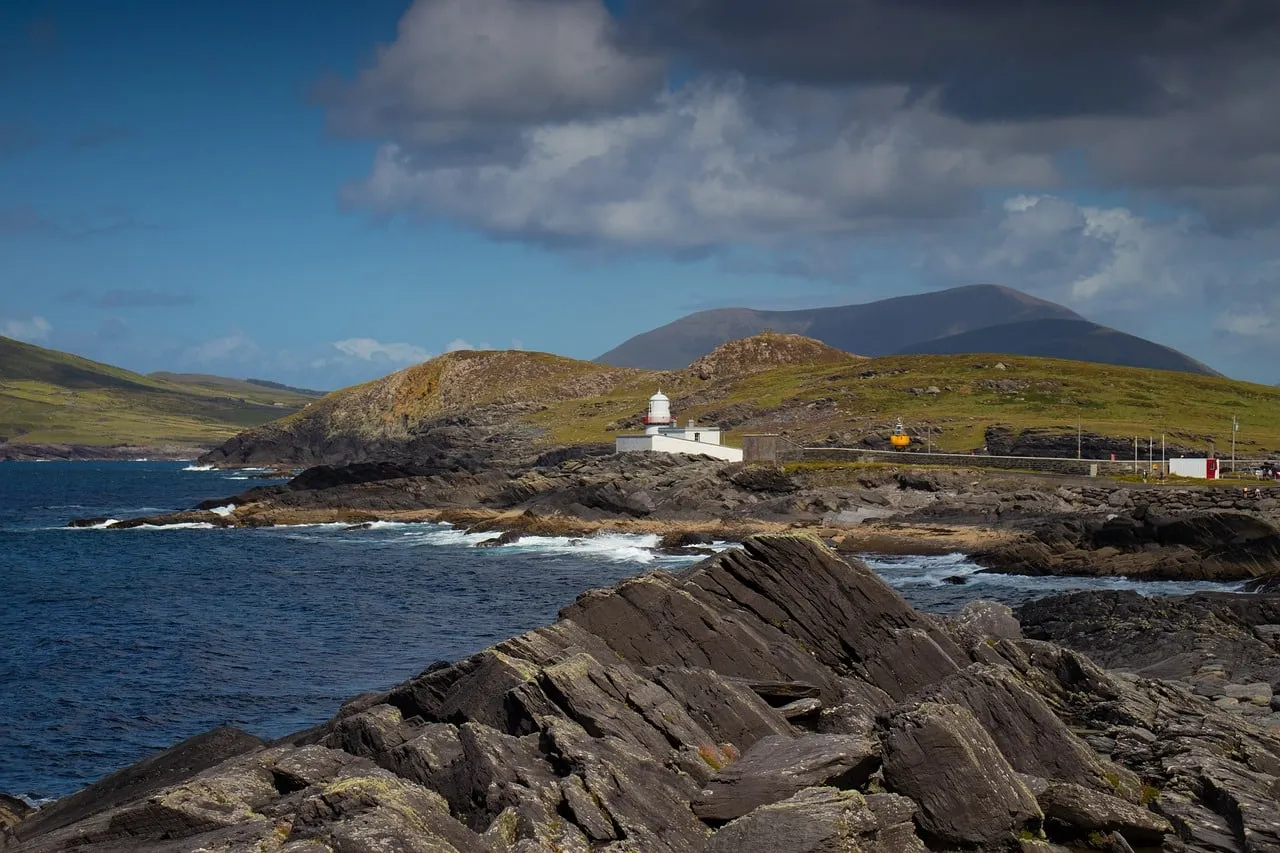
[[50, 397]]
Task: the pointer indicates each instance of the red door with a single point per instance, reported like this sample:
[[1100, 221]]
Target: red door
[[1212, 472]]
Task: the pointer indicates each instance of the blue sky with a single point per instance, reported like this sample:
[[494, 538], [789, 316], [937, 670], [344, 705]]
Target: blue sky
[[253, 189]]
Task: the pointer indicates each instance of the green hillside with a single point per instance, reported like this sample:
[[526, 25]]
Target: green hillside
[[772, 382], [251, 390], [51, 397], [956, 396]]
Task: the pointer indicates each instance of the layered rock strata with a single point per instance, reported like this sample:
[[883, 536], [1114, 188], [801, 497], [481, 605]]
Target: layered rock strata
[[773, 698]]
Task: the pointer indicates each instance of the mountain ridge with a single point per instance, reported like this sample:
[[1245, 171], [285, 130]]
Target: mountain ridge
[[872, 329], [1053, 338], [904, 324]]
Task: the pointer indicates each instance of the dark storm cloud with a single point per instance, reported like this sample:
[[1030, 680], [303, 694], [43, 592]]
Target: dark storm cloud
[[986, 58]]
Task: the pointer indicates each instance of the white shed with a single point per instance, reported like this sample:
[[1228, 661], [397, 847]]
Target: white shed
[[1200, 469]]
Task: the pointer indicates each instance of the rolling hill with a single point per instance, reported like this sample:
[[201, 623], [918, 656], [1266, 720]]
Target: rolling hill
[[49, 397], [252, 390], [872, 329], [972, 319], [466, 408], [1077, 340]]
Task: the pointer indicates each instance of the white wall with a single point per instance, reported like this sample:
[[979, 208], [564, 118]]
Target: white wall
[[668, 444], [1189, 468], [707, 435]]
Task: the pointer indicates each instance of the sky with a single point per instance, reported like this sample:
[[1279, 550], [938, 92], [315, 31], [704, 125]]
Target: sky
[[321, 192]]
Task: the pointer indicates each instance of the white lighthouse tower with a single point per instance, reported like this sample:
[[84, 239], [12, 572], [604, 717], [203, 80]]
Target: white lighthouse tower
[[663, 435], [659, 414]]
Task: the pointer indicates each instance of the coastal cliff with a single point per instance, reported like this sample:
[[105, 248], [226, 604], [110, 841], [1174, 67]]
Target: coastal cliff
[[771, 698]]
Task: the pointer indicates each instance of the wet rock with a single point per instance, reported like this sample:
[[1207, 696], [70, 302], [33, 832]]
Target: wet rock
[[777, 768], [942, 758]]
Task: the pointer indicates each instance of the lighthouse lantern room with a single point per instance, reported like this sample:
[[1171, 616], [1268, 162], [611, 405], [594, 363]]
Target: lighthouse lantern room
[[659, 414], [663, 435]]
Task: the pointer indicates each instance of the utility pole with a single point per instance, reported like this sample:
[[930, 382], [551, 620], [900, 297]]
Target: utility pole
[[1235, 428], [1135, 454], [1079, 439]]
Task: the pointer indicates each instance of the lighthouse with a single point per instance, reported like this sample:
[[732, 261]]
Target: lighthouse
[[663, 435], [659, 414]]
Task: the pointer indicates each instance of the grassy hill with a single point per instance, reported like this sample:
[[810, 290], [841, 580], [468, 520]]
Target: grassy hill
[[795, 386], [252, 390], [51, 397]]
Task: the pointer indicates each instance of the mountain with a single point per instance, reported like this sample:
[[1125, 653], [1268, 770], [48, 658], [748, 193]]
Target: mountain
[[253, 390], [470, 410], [872, 329], [1078, 340], [49, 397]]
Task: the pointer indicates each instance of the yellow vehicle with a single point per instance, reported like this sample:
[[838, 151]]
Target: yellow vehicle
[[899, 439]]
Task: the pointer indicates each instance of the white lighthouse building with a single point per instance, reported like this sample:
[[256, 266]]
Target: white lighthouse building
[[663, 435]]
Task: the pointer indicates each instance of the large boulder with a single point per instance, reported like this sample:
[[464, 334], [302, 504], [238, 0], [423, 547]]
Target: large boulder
[[942, 758], [1072, 813], [823, 820], [777, 768]]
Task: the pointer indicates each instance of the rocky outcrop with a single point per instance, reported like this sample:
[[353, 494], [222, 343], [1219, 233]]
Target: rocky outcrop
[[768, 698], [1198, 546], [1222, 647]]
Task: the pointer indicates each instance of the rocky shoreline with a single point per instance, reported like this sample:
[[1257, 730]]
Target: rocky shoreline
[[770, 698], [1018, 523], [97, 452]]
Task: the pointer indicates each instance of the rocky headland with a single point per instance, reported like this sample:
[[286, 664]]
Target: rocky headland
[[770, 698]]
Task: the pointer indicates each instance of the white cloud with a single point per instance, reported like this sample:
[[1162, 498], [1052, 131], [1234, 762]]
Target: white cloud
[[1091, 257], [34, 329], [1246, 324], [711, 166], [236, 346], [457, 344], [369, 349], [467, 68]]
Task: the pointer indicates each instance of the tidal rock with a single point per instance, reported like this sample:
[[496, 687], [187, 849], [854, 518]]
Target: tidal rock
[[777, 768], [942, 758]]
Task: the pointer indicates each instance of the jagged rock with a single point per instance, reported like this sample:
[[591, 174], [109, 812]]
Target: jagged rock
[[942, 758], [1072, 812], [1031, 737], [981, 620], [380, 811], [599, 731], [173, 765], [12, 810], [728, 709], [647, 805], [823, 820], [843, 613], [776, 768], [1218, 545]]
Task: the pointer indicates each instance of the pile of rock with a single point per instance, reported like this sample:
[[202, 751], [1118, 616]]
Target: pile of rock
[[771, 698]]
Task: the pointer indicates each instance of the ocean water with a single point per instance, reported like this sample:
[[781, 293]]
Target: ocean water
[[116, 643]]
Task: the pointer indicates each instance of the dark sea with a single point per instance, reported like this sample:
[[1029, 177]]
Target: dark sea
[[117, 643]]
